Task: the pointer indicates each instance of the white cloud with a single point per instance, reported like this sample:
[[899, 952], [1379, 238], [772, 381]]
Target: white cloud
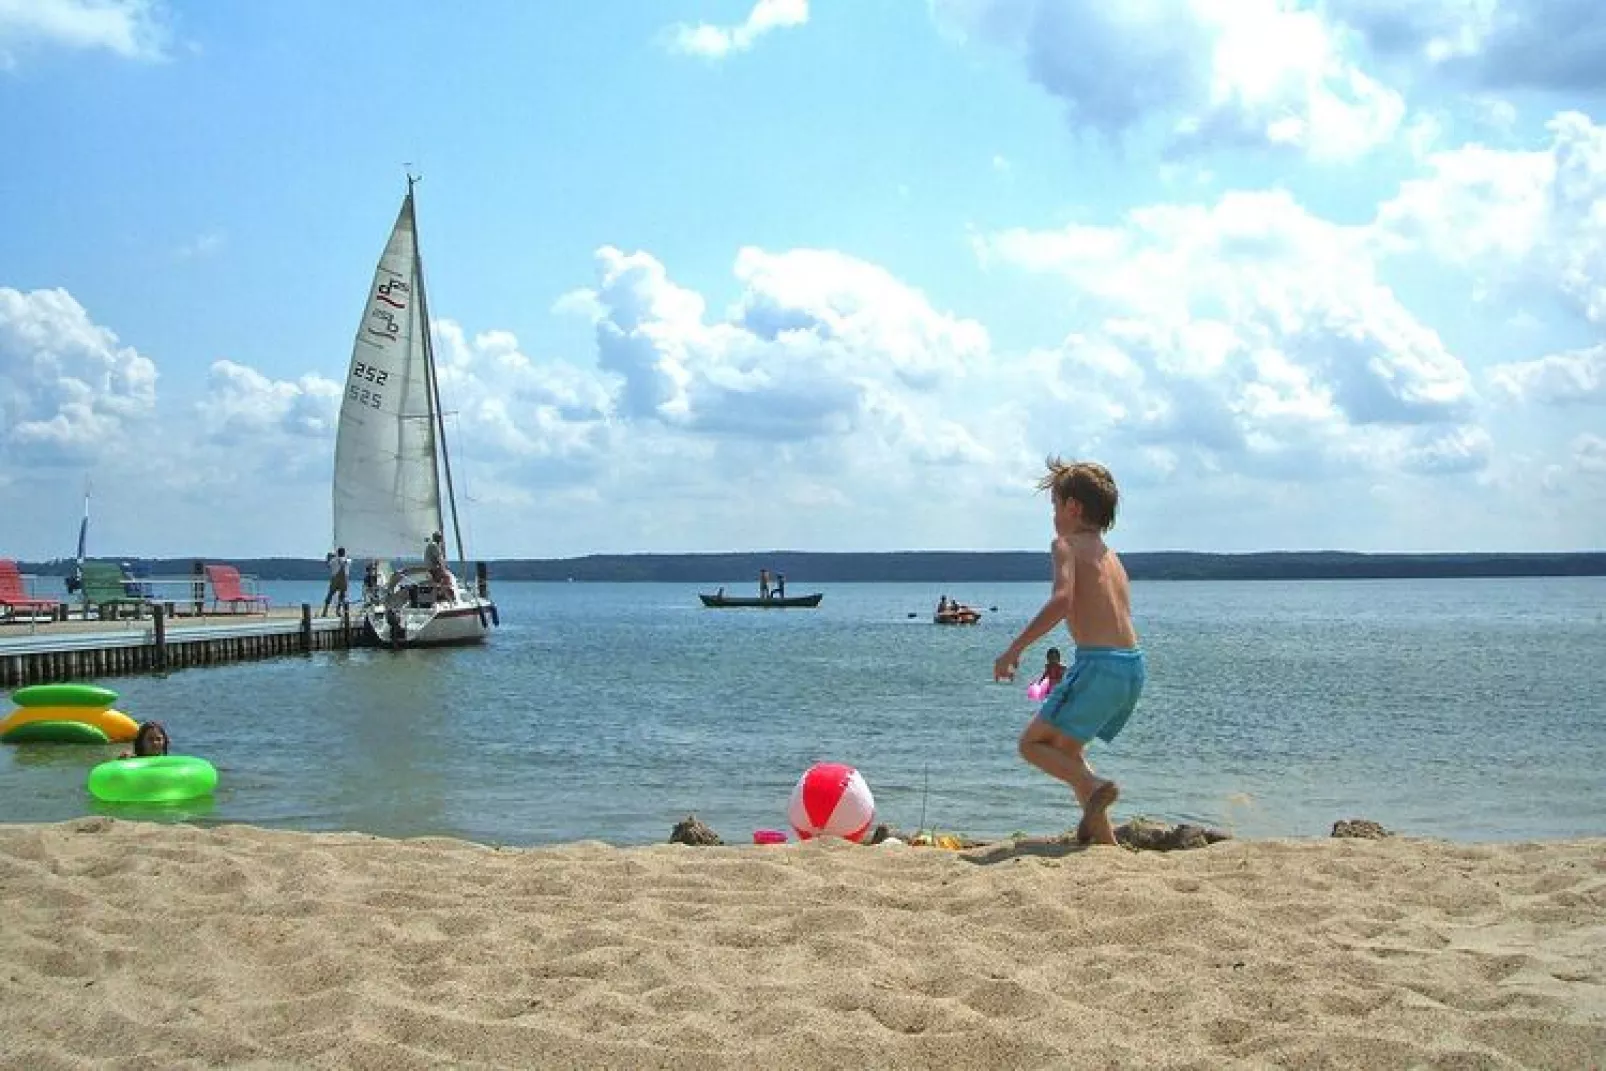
[[1520, 217], [1254, 333], [243, 405], [68, 391], [1500, 115], [1589, 454], [717, 42], [202, 245], [1546, 45], [1220, 73], [134, 29], [1576, 377], [534, 422], [814, 337]]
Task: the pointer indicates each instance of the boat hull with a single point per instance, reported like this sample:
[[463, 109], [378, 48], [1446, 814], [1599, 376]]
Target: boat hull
[[731, 602], [440, 626], [964, 617]]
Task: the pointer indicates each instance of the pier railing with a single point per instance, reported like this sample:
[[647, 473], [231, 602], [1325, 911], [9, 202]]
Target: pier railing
[[179, 596]]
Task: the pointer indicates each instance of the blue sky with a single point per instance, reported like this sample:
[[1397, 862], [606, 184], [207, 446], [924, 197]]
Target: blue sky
[[820, 276]]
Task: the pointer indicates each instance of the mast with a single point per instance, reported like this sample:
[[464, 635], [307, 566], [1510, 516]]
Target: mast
[[78, 567], [432, 392]]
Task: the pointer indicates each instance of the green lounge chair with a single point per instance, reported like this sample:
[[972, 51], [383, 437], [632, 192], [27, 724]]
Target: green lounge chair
[[104, 590]]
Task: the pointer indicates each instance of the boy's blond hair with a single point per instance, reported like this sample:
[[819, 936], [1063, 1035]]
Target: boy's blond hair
[[1086, 483]]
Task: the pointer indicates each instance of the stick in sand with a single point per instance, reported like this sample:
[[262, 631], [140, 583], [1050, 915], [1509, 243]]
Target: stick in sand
[[924, 795]]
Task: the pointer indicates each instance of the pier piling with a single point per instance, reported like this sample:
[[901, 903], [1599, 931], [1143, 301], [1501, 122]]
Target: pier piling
[[159, 630]]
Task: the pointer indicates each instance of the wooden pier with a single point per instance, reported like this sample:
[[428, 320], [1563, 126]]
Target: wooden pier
[[65, 650]]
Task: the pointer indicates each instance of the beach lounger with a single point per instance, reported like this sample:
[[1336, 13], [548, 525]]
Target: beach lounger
[[105, 588], [14, 597], [225, 580]]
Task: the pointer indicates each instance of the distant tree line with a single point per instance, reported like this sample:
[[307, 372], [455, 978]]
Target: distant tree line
[[937, 567]]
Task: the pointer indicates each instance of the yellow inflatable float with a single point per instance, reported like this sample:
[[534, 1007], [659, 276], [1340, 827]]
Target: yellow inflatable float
[[67, 713]]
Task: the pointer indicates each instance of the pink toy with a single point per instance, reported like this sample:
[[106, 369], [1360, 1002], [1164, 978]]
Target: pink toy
[[768, 836], [1038, 691]]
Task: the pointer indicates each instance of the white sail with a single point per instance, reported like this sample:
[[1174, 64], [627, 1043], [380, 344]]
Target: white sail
[[387, 499]]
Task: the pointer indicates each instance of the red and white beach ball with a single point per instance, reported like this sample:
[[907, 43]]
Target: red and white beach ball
[[831, 800]]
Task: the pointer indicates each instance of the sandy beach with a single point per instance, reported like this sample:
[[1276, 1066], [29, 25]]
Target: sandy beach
[[138, 944]]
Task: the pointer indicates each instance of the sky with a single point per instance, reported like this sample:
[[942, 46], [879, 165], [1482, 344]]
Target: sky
[[815, 275]]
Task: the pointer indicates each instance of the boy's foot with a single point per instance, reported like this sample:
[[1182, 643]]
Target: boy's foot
[[1100, 801]]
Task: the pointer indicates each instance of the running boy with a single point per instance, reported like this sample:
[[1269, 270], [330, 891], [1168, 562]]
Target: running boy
[[1091, 596]]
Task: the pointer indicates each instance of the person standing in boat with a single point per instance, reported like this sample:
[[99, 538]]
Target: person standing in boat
[[763, 583], [780, 585], [435, 559]]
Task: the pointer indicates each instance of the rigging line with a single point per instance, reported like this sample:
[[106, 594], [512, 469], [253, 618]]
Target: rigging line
[[433, 384]]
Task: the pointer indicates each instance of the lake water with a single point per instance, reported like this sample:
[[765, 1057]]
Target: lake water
[[1466, 709]]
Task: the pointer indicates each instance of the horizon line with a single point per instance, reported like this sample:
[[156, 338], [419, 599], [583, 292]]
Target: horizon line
[[874, 553]]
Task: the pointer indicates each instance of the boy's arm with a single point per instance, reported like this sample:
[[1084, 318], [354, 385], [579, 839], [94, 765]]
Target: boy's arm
[[1056, 609]]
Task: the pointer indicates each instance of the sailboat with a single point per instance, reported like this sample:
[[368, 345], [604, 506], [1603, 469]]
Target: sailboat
[[75, 579], [390, 460]]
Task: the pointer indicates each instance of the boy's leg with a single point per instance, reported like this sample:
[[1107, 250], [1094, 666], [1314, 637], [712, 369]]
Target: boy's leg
[[1061, 756]]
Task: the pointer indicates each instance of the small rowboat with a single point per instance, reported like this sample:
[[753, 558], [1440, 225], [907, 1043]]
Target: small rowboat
[[962, 616], [726, 602]]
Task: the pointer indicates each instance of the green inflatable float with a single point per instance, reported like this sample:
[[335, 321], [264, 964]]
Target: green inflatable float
[[55, 732], [64, 695], [152, 779]]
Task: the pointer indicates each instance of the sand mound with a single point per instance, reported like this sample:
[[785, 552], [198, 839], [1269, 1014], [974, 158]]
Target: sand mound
[[162, 946]]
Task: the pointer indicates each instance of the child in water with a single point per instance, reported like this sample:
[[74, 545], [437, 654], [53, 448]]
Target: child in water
[[1092, 597], [1053, 669], [151, 739]]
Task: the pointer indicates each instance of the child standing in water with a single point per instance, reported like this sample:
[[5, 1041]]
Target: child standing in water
[[1053, 669], [151, 739], [1092, 597]]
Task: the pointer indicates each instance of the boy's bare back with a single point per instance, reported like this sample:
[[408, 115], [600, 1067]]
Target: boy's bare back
[[1101, 600]]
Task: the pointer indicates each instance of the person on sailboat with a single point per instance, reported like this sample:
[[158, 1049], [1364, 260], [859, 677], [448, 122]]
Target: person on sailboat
[[435, 558]]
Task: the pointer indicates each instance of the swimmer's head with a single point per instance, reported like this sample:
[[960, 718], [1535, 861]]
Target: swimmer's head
[[151, 739]]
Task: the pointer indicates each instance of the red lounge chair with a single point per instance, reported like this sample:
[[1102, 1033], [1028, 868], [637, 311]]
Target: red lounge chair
[[14, 594], [225, 580]]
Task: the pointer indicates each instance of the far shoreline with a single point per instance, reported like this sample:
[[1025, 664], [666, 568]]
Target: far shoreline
[[807, 568]]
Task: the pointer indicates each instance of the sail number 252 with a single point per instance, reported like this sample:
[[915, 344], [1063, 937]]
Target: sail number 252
[[357, 392]]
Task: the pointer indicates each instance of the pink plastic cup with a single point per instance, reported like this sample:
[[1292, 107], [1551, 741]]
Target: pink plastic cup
[[768, 836]]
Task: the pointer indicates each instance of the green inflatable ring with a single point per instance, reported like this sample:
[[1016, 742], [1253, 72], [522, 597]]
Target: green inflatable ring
[[64, 695], [152, 779], [55, 732]]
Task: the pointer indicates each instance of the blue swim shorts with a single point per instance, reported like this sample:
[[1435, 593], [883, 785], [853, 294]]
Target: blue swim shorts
[[1098, 694]]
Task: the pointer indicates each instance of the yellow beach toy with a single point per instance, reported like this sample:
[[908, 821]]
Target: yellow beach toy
[[67, 713]]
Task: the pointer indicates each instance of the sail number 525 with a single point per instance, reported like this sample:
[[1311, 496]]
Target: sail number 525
[[364, 396]]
